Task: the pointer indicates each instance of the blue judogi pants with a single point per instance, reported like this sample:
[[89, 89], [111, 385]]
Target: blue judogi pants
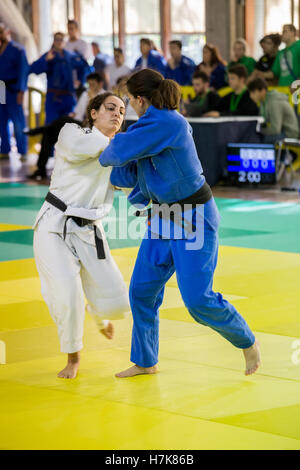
[[57, 106], [156, 262], [12, 112]]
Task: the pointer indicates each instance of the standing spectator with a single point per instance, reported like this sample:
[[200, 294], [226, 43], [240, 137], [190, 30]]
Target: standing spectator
[[280, 118], [287, 63], [205, 100], [80, 47], [75, 44], [150, 58], [101, 61], [59, 64], [239, 52], [214, 66], [117, 69], [237, 103], [179, 68], [13, 72], [51, 131]]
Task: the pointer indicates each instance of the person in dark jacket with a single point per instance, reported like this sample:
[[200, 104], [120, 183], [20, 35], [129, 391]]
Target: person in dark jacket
[[14, 73], [205, 100], [238, 102], [59, 65]]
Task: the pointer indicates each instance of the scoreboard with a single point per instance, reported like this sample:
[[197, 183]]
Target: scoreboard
[[251, 163]]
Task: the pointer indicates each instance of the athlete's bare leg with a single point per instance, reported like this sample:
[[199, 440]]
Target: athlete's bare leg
[[137, 370], [71, 369], [252, 357]]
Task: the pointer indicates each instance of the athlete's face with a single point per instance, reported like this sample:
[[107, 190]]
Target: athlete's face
[[110, 116], [139, 104]]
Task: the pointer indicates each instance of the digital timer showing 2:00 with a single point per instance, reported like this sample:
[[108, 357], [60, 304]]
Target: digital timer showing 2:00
[[251, 163]]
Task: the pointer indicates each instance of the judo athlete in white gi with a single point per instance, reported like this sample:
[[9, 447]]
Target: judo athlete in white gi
[[71, 253], [168, 171]]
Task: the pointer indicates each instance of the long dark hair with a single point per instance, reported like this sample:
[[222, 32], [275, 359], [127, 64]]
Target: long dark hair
[[216, 57], [95, 103], [162, 93]]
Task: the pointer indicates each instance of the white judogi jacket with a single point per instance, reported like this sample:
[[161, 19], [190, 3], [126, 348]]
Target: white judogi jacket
[[79, 181]]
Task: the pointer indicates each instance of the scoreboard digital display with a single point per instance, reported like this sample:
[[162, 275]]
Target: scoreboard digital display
[[251, 163]]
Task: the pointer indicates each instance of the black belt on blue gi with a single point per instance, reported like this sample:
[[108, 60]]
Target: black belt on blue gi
[[203, 195], [59, 204]]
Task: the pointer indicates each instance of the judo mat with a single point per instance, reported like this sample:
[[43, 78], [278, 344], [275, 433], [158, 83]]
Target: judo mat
[[200, 399]]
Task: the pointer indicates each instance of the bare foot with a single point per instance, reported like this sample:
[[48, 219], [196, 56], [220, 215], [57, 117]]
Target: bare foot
[[252, 356], [71, 369], [137, 370], [108, 331]]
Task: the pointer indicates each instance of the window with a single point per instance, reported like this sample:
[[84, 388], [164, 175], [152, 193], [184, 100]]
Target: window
[[188, 25], [278, 13], [142, 19], [97, 23], [59, 15]]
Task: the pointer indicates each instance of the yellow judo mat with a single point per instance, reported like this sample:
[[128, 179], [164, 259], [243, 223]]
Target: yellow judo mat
[[200, 399]]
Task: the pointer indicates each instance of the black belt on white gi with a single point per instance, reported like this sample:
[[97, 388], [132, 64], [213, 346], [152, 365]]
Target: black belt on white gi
[[59, 204], [203, 195]]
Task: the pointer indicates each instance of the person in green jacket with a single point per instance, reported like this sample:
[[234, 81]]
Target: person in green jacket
[[239, 51], [287, 63], [280, 118]]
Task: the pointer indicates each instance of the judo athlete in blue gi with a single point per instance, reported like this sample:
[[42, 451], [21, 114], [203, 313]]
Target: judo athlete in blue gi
[[59, 64], [14, 73], [179, 68], [150, 58], [159, 151]]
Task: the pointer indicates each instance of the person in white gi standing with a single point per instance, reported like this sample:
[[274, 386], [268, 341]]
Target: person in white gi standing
[[71, 253]]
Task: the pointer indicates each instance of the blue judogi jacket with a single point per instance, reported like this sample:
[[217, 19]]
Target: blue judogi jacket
[[14, 70], [157, 155], [183, 73], [155, 61], [59, 70]]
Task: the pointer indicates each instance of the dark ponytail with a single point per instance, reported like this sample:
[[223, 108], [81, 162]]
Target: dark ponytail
[[162, 93]]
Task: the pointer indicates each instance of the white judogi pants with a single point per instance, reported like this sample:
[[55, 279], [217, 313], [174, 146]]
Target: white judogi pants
[[69, 269]]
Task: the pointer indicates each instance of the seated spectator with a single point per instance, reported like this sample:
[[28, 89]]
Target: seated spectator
[[150, 58], [205, 100], [179, 68], [214, 66], [270, 45], [286, 66], [240, 58], [51, 131], [117, 69], [237, 103], [95, 87], [280, 118]]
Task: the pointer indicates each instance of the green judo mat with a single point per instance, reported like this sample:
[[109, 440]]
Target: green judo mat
[[248, 224]]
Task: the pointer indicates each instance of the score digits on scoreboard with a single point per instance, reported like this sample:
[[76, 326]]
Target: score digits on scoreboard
[[251, 163]]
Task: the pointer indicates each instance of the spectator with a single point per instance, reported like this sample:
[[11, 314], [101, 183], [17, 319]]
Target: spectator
[[150, 58], [214, 66], [270, 45], [13, 72], [287, 63], [59, 64], [51, 131], [117, 69], [239, 51], [179, 68], [75, 44], [280, 118], [237, 103], [95, 87], [205, 100]]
